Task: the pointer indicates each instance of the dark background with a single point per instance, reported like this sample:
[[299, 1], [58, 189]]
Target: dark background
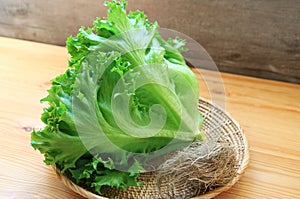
[[251, 37]]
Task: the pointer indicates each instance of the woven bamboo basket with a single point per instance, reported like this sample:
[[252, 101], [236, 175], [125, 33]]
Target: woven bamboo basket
[[213, 116]]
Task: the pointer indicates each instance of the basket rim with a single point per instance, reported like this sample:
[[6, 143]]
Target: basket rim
[[241, 170], [245, 160]]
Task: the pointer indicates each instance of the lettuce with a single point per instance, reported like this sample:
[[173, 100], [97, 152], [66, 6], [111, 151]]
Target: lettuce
[[127, 99]]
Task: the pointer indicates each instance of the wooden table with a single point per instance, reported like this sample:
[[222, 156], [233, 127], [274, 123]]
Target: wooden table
[[268, 111]]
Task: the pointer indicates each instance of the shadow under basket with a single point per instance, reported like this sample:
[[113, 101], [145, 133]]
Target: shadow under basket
[[213, 117]]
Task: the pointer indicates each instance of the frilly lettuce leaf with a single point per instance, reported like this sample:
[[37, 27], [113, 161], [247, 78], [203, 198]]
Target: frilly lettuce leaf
[[81, 121]]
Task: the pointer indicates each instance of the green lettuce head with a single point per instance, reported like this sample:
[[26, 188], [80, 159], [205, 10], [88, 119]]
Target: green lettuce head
[[127, 100]]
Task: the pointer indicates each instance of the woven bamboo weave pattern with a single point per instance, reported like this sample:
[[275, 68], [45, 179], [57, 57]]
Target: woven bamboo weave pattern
[[216, 121]]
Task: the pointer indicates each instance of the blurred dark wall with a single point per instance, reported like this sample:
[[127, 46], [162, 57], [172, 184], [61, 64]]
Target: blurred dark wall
[[258, 38]]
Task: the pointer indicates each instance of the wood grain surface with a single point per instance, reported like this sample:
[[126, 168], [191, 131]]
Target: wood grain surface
[[259, 38], [268, 111]]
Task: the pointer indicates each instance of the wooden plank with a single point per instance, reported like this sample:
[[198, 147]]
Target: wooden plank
[[259, 38], [268, 111]]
